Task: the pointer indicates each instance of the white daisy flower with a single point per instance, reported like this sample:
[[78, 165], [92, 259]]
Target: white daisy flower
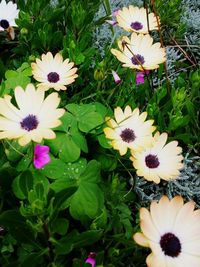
[[8, 14], [34, 117], [171, 229], [53, 72]]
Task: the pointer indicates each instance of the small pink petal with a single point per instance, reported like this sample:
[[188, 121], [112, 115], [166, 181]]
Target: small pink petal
[[112, 22], [41, 156], [116, 77], [140, 76], [115, 12], [91, 259]]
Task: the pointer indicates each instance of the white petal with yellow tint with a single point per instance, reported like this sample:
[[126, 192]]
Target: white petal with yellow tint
[[141, 239]]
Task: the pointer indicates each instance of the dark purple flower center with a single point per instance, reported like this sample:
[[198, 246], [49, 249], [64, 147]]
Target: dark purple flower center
[[128, 135], [137, 60], [152, 161], [4, 23], [53, 77], [170, 245], [29, 123], [136, 25]]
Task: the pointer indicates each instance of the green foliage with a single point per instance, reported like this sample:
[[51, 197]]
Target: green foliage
[[84, 199]]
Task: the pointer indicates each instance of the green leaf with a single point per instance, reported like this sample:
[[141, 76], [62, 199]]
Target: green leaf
[[24, 163], [15, 78], [16, 189], [86, 115], [103, 141], [26, 182], [64, 145], [76, 240], [79, 140], [178, 121], [88, 199], [55, 169], [71, 175], [60, 226], [17, 226], [59, 199]]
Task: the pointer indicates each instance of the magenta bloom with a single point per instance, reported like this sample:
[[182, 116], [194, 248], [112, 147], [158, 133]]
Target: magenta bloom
[[41, 156], [116, 77], [140, 76], [113, 21], [91, 259]]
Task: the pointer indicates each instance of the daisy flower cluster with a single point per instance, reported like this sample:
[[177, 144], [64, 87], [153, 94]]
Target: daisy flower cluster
[[163, 229], [171, 228], [152, 158], [138, 51]]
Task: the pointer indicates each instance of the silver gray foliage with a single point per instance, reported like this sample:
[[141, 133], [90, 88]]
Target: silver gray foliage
[[186, 185]]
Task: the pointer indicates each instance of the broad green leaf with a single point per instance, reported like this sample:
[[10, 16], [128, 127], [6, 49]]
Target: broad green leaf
[[88, 199], [26, 182], [103, 141], [64, 145], [24, 163], [70, 152], [55, 169], [17, 226], [76, 240], [71, 175], [86, 115], [15, 78], [60, 226], [16, 189]]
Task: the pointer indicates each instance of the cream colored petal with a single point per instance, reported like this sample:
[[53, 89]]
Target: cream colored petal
[[147, 226], [119, 115], [121, 146], [184, 230], [121, 57], [25, 139], [110, 133], [155, 261], [164, 213], [30, 100], [192, 248], [58, 59], [50, 103], [141, 239], [43, 86], [8, 110], [187, 260]]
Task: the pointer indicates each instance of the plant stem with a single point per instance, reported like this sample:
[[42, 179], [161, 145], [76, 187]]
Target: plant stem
[[50, 247]]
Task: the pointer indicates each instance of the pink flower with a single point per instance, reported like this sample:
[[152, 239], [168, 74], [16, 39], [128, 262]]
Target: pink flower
[[140, 76], [116, 77], [113, 21], [115, 12], [41, 156], [91, 259]]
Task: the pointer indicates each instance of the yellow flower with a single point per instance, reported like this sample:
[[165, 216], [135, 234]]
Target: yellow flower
[[139, 52], [134, 19], [129, 130], [159, 161], [53, 72], [34, 117], [171, 229]]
